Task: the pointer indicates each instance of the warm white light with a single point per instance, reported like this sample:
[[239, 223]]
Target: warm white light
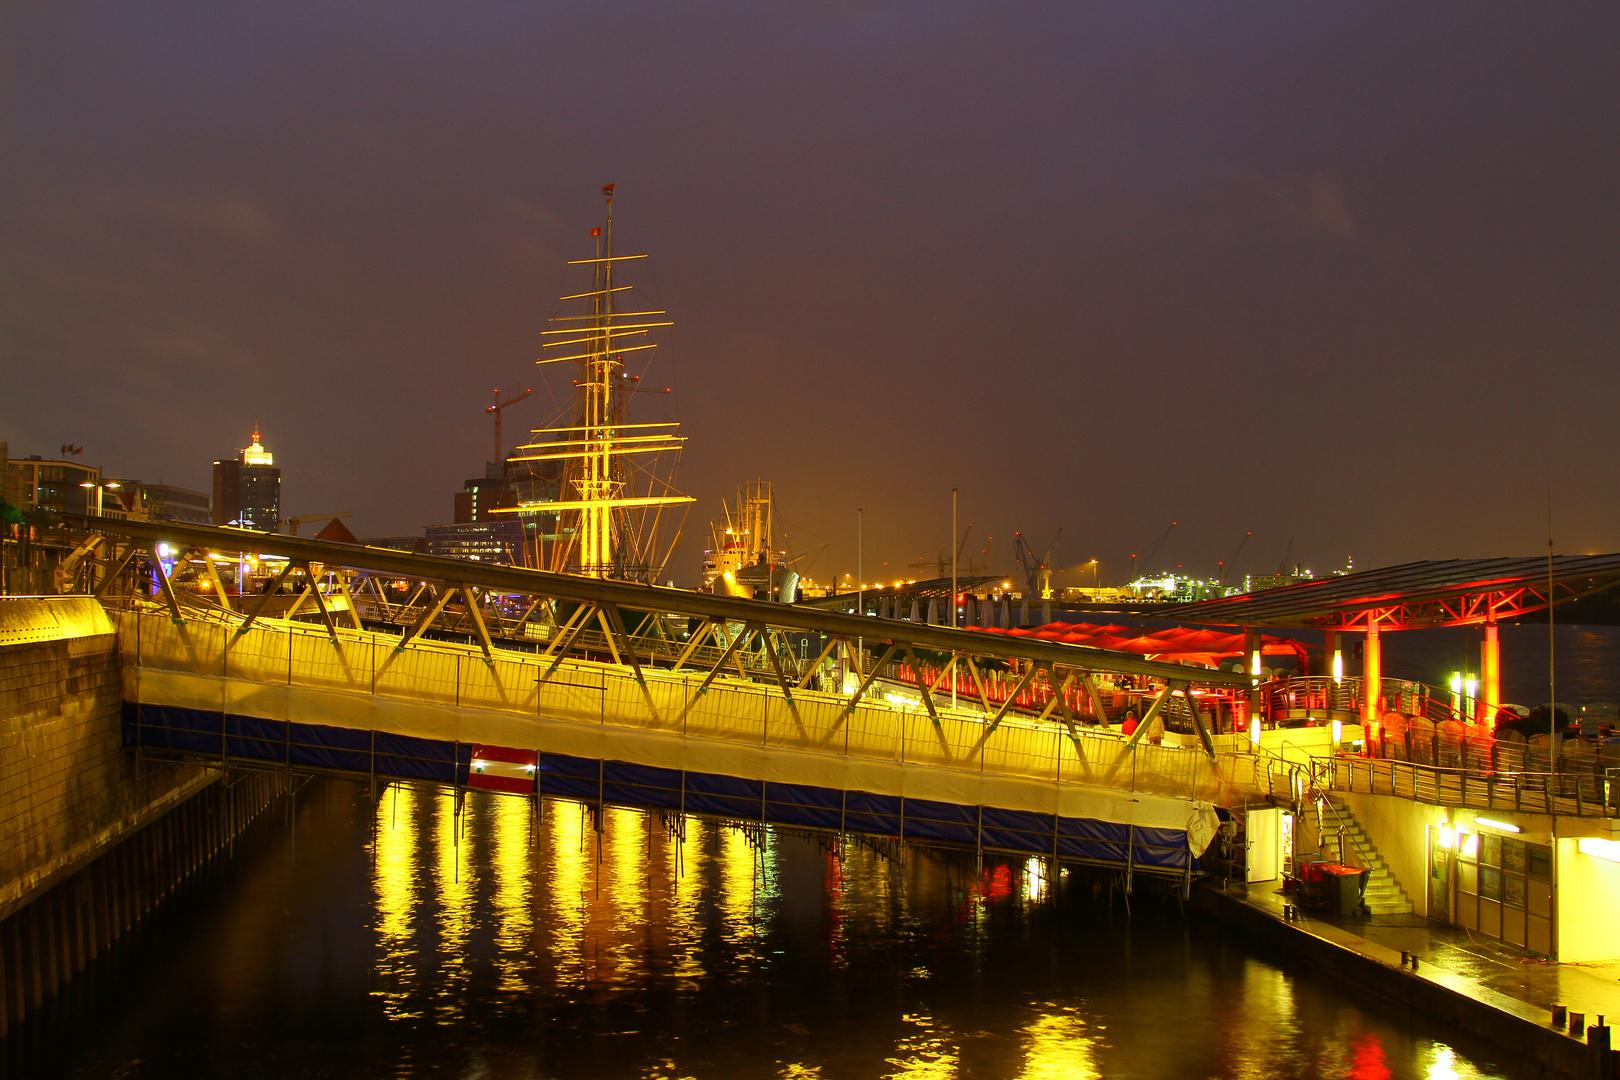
[[1338, 732], [1338, 667], [1492, 824], [1456, 683], [1254, 730], [1448, 836], [1602, 849]]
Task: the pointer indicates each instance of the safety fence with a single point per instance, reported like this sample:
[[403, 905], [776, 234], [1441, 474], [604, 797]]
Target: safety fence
[[1583, 794]]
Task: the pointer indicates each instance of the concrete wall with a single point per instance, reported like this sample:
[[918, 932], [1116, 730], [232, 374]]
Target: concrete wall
[[1398, 828], [1588, 888], [68, 790]]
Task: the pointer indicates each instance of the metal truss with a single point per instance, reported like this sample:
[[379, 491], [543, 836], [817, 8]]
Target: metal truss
[[625, 623]]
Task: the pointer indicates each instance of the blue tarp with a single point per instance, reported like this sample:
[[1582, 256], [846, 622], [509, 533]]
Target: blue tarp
[[623, 783]]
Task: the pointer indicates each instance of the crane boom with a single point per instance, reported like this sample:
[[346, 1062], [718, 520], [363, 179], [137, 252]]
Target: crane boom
[[498, 408], [1147, 561]]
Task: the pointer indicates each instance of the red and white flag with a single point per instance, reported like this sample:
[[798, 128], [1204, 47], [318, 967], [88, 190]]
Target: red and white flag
[[501, 768]]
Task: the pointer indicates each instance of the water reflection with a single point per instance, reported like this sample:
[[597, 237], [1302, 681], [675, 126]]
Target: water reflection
[[928, 1053], [1057, 1046], [561, 911], [523, 942]]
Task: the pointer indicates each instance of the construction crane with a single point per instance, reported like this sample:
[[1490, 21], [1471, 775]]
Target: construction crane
[[1037, 572], [496, 409], [1231, 560], [942, 565], [1288, 557], [292, 523], [1157, 544]]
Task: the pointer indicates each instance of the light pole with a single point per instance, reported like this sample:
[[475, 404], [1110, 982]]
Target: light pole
[[953, 583], [953, 587], [860, 594], [98, 486]]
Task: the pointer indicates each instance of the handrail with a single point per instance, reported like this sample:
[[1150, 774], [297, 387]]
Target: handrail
[[1581, 794]]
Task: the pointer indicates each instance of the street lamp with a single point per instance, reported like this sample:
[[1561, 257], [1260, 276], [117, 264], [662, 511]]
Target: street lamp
[[99, 486]]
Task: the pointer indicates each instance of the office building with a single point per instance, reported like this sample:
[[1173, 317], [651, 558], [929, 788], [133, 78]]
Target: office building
[[247, 489]]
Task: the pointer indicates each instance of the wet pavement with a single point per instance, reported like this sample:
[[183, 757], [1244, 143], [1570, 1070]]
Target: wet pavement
[[1510, 979]]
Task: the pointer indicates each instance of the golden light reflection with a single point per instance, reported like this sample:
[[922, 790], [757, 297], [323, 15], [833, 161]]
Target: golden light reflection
[[684, 867], [569, 859], [453, 886], [1035, 883], [395, 882], [1270, 1029], [929, 1053], [514, 887], [1444, 1066], [625, 890], [1058, 1047], [738, 886]]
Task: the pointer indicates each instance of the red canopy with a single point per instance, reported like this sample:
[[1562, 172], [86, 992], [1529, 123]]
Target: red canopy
[[1204, 647]]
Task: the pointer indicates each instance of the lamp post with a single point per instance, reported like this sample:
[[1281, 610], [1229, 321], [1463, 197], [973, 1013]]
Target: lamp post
[[99, 486]]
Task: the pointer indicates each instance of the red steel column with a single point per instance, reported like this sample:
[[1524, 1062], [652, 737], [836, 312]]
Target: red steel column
[[1490, 674], [1372, 674]]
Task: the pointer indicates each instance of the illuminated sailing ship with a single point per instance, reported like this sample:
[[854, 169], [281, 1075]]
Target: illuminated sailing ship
[[617, 477], [742, 560]]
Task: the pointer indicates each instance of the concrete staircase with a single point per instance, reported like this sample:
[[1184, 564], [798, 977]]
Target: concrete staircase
[[1383, 895]]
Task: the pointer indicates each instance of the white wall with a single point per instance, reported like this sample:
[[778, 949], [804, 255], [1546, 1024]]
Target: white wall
[[1588, 896]]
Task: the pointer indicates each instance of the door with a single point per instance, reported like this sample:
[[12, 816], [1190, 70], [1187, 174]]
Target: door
[[1440, 874], [1263, 833]]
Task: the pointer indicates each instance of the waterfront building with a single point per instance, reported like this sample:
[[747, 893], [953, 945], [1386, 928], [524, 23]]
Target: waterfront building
[[494, 541], [247, 489], [35, 483], [481, 496], [167, 502]]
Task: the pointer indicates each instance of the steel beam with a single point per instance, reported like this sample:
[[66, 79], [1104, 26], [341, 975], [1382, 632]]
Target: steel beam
[[265, 599], [815, 665], [860, 691], [1151, 717], [703, 687], [650, 597], [927, 691]]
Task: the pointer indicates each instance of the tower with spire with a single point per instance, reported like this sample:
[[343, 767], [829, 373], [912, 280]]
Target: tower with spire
[[247, 488]]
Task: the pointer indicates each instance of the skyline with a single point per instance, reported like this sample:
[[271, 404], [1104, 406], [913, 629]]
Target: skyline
[[1342, 277]]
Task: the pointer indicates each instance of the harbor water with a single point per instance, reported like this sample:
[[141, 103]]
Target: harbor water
[[396, 938]]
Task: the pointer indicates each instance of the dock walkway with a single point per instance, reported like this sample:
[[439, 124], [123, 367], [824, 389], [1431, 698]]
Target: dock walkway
[[1494, 993]]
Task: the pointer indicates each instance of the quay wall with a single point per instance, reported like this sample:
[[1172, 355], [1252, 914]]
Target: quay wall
[[91, 838], [1480, 1013]]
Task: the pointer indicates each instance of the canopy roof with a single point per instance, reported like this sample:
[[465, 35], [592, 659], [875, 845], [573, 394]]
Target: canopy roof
[[1450, 592], [1176, 643]]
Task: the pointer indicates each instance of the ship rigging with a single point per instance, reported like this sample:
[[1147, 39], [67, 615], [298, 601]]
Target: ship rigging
[[618, 477]]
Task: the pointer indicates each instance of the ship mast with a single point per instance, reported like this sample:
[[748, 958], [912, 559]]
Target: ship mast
[[602, 528]]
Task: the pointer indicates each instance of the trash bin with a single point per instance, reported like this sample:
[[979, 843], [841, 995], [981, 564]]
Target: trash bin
[[1311, 884], [1341, 888]]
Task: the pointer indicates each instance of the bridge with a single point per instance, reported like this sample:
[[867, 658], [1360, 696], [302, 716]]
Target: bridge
[[395, 667]]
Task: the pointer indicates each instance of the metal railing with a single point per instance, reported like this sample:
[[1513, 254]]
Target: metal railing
[[1581, 794]]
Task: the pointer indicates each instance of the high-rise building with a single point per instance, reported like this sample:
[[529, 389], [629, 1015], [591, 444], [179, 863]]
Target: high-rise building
[[247, 489]]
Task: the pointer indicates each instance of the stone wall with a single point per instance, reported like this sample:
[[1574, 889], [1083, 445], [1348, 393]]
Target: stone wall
[[68, 789]]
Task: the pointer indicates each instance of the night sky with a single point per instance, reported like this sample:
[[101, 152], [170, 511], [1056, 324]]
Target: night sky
[[1341, 273]]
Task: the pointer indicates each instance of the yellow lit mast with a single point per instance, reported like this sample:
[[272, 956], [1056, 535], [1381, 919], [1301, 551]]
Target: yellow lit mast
[[603, 530]]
